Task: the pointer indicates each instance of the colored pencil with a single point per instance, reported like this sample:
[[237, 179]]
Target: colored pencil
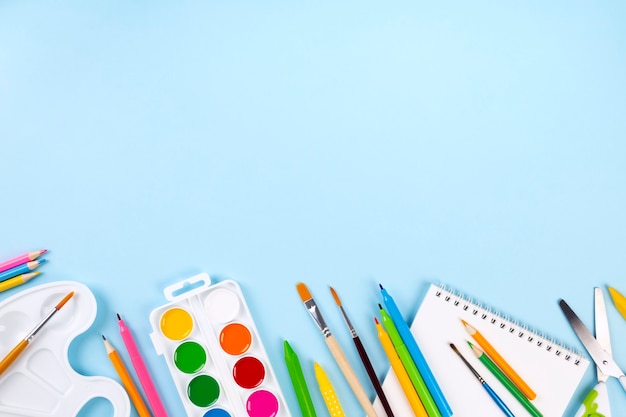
[[367, 363], [335, 350], [398, 369], [619, 300], [489, 390], [18, 280], [504, 380], [416, 354], [19, 348], [499, 360], [20, 269], [407, 361], [126, 379], [141, 369], [298, 381], [22, 259], [328, 392]]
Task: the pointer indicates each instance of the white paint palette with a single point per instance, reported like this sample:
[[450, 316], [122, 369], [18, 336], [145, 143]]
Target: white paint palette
[[214, 353], [41, 381]]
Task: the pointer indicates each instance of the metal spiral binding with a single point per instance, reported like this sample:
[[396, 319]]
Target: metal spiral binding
[[513, 327]]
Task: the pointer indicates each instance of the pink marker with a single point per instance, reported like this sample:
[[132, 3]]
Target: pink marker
[[22, 259], [142, 371]]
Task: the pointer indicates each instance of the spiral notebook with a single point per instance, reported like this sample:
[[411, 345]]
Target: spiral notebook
[[550, 369]]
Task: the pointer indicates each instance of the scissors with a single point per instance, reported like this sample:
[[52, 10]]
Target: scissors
[[596, 403]]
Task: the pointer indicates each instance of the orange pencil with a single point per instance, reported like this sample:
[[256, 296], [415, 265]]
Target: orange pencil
[[499, 360], [127, 381], [401, 374]]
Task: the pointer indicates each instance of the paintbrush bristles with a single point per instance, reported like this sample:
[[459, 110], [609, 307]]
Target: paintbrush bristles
[[335, 296], [64, 300], [303, 291]]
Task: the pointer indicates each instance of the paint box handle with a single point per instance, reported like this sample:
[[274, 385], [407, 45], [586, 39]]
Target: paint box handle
[[187, 287]]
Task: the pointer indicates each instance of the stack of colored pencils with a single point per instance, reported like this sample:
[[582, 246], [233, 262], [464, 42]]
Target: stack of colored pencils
[[20, 270]]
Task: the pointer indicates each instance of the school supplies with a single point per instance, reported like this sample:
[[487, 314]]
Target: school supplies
[[298, 381], [416, 354], [126, 379], [18, 280], [603, 359], [619, 300], [486, 386], [335, 349], [328, 392], [20, 269], [42, 382], [22, 259], [400, 373], [504, 380], [367, 363], [214, 352], [145, 379], [23, 344], [500, 361], [409, 366], [553, 370]]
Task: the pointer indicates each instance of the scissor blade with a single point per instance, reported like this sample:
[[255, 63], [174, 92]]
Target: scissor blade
[[603, 360], [602, 328]]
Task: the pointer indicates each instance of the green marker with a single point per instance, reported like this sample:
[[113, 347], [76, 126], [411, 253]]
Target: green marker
[[493, 368], [299, 383], [409, 365]]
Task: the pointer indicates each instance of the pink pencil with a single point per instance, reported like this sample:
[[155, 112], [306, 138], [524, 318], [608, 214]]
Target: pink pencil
[[142, 371], [22, 259]]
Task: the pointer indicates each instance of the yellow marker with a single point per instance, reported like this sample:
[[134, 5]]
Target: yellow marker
[[401, 374], [619, 300], [328, 392]]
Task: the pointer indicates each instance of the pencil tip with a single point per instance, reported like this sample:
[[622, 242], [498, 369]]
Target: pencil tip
[[454, 348], [103, 338], [380, 306], [42, 261], [119, 317], [381, 286], [376, 320]]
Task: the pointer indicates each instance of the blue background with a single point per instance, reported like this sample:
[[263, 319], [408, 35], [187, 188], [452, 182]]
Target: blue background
[[480, 144]]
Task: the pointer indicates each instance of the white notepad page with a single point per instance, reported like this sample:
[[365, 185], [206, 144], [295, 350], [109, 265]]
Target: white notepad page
[[552, 371]]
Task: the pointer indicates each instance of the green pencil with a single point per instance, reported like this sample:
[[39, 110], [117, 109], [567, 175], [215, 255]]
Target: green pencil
[[493, 368], [409, 365], [299, 383]]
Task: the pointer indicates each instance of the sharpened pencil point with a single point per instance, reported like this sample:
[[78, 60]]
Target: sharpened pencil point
[[381, 286], [376, 320], [380, 306], [103, 338], [119, 318]]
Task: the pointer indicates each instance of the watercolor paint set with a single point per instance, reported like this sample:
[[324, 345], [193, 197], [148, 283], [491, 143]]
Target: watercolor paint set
[[41, 381], [212, 348]]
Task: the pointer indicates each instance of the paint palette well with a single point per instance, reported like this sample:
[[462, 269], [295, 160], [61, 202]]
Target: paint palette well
[[41, 381], [214, 353]]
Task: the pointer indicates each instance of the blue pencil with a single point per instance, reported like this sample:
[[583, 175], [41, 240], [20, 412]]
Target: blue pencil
[[20, 269], [416, 354]]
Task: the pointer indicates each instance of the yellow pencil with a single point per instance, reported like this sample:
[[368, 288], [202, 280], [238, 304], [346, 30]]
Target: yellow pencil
[[127, 381], [401, 374], [18, 280], [328, 392], [499, 360]]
